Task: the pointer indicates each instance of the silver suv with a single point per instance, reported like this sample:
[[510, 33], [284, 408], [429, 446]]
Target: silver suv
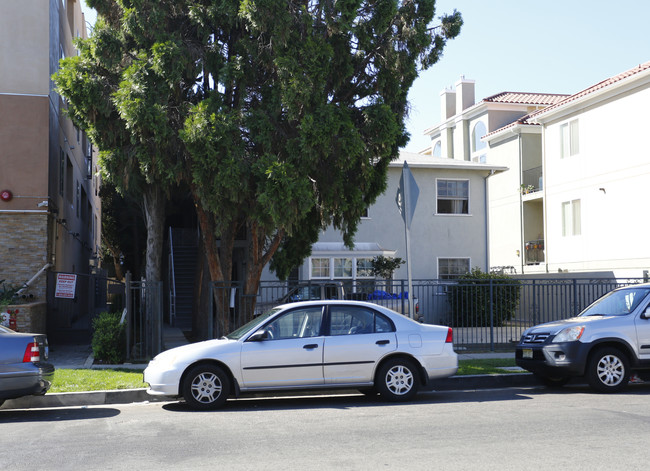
[[606, 343]]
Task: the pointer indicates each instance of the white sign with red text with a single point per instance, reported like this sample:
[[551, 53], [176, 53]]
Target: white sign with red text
[[66, 284]]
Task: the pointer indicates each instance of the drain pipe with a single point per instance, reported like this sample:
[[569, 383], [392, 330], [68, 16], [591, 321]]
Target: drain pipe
[[39, 273], [487, 221]]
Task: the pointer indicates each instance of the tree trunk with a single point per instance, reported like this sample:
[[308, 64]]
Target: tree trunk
[[154, 211], [259, 256]]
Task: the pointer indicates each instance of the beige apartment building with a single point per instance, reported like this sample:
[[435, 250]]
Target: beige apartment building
[[49, 204]]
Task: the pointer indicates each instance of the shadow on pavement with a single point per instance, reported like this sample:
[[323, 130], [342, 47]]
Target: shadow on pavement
[[56, 414], [350, 401]]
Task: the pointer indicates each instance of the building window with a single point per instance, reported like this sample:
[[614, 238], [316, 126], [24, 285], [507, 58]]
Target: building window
[[453, 196], [320, 268], [61, 172], [342, 268], [364, 267], [333, 268], [78, 198], [569, 142], [451, 268], [437, 149], [478, 146], [571, 225], [69, 183]]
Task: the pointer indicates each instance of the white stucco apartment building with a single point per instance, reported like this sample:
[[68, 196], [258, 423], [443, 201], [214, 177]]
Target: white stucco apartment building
[[585, 215]]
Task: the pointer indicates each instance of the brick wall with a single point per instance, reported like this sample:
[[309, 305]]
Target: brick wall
[[23, 250], [29, 317]]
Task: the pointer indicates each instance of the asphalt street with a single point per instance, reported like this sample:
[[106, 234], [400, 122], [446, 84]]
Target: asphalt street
[[495, 429]]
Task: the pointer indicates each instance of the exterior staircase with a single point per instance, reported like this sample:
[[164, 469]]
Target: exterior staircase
[[182, 268]]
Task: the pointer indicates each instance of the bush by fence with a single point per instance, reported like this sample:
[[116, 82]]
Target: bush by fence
[[483, 299], [109, 338]]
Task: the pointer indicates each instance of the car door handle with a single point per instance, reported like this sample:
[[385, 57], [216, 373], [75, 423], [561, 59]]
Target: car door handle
[[382, 342], [310, 346]]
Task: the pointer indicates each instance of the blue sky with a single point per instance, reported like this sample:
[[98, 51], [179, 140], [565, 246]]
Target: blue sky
[[549, 46]]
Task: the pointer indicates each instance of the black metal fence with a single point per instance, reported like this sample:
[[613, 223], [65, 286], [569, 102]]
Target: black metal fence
[[143, 316], [485, 314], [70, 316]]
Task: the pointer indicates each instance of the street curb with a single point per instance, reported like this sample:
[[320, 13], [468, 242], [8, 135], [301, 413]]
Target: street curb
[[494, 381], [88, 398], [128, 396]]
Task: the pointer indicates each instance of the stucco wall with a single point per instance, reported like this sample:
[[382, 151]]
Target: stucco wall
[[24, 26], [610, 176]]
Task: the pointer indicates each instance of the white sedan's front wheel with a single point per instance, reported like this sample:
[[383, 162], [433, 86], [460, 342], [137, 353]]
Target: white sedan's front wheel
[[397, 380], [206, 387]]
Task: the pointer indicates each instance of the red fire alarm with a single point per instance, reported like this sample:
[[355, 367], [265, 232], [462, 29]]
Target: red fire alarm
[[5, 195]]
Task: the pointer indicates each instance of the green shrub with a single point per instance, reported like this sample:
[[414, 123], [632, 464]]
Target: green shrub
[[109, 338], [482, 299]]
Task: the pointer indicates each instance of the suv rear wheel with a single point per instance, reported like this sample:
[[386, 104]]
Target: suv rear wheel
[[608, 370]]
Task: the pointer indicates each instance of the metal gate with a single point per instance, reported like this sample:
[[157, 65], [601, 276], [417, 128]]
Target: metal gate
[[69, 319]]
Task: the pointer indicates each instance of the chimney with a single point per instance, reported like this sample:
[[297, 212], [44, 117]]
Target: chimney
[[447, 103], [464, 94]]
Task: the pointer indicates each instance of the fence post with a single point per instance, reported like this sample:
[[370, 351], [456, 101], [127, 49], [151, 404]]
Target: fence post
[[129, 313], [575, 298], [491, 315], [159, 318]]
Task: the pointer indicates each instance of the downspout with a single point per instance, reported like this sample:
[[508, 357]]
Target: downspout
[[487, 221], [33, 278], [522, 236]]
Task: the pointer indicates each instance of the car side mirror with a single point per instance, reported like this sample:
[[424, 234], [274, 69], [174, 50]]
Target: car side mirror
[[646, 313], [259, 336]]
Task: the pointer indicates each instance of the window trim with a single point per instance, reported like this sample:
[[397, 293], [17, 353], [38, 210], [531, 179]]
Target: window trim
[[569, 139], [569, 220], [469, 209], [453, 276]]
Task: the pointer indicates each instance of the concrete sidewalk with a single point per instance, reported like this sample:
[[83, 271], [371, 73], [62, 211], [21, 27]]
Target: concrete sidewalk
[[80, 357]]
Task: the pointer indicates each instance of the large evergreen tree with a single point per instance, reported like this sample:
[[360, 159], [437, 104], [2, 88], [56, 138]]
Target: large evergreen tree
[[281, 116]]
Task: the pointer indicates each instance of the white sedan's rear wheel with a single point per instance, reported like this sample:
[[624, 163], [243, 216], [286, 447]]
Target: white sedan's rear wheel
[[398, 380]]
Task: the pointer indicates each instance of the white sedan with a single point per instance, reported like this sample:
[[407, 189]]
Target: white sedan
[[309, 345]]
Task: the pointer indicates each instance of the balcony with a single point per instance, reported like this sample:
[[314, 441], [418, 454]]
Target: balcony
[[532, 180], [535, 252]]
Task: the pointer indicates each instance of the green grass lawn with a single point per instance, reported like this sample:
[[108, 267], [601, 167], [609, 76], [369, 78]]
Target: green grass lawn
[[486, 366], [96, 380], [99, 380]]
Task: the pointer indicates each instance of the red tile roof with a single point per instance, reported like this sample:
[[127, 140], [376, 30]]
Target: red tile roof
[[526, 98], [560, 100], [594, 88]]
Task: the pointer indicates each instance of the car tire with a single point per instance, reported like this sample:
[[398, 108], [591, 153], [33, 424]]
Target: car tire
[[608, 370], [206, 387], [398, 380], [553, 381]]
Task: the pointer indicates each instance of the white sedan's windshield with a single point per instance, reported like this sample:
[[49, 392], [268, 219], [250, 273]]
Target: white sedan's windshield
[[259, 320], [617, 303]]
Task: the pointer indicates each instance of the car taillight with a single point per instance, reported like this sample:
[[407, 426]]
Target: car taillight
[[32, 353], [450, 336]]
